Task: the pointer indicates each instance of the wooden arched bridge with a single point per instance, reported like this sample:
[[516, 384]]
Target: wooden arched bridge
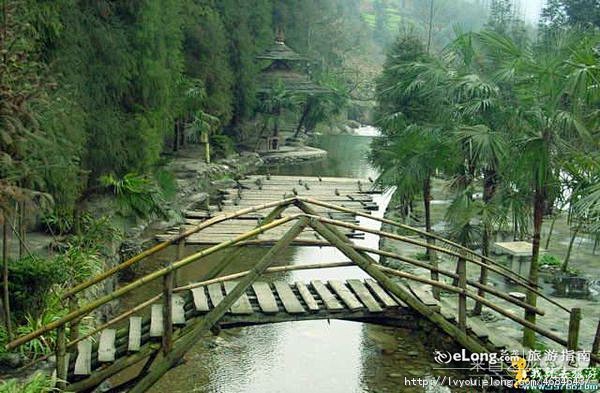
[[181, 315]]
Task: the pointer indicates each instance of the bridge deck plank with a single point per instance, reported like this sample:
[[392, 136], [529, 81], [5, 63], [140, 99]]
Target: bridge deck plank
[[380, 293], [135, 334], [344, 293], [83, 362], [424, 294], [156, 320], [308, 298], [177, 310], [290, 302], [264, 295], [106, 348], [200, 299], [331, 303], [242, 304], [278, 302], [364, 295], [215, 293]]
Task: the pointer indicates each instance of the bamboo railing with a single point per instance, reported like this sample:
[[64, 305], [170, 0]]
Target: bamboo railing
[[327, 229]]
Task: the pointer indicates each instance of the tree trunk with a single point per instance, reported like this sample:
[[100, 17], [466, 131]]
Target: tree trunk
[[6, 292], [565, 264], [180, 126], [302, 119], [431, 255], [489, 189], [551, 230], [538, 217], [490, 182], [21, 229], [175, 136], [430, 27]]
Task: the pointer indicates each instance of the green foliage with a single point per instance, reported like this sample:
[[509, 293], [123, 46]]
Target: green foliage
[[39, 383], [45, 344], [166, 182], [136, 195], [550, 260], [31, 281], [92, 88], [59, 221], [512, 116], [422, 256], [221, 145]]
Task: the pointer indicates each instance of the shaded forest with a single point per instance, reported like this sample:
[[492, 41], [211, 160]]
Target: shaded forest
[[96, 88]]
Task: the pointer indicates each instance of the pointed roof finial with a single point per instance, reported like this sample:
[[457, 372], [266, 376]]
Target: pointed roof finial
[[279, 37]]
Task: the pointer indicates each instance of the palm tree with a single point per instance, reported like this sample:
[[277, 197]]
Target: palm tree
[[547, 86], [414, 117]]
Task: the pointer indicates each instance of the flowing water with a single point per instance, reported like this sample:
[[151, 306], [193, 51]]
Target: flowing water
[[306, 356]]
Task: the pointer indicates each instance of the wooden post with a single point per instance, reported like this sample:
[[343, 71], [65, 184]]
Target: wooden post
[[206, 143], [462, 297], [185, 343], [61, 357], [574, 320], [74, 325], [483, 281], [595, 346], [180, 255], [528, 334], [434, 263], [167, 338]]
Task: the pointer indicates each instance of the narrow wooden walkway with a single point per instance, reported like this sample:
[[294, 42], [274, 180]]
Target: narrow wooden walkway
[[219, 302], [265, 302], [352, 193]]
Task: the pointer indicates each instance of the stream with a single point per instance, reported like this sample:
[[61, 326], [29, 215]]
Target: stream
[[305, 356]]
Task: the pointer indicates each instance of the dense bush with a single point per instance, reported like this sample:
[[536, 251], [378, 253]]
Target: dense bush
[[221, 146], [31, 280], [39, 383]]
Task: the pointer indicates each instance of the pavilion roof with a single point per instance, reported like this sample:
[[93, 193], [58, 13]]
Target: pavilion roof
[[293, 81], [280, 51]]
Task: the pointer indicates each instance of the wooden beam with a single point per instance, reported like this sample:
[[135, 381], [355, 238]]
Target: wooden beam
[[516, 277], [173, 240], [212, 317], [367, 264], [100, 375], [144, 280]]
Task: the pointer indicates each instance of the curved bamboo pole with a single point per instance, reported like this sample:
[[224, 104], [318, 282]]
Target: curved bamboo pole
[[141, 306], [144, 280], [409, 228], [475, 297], [161, 246], [440, 249], [446, 273]]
